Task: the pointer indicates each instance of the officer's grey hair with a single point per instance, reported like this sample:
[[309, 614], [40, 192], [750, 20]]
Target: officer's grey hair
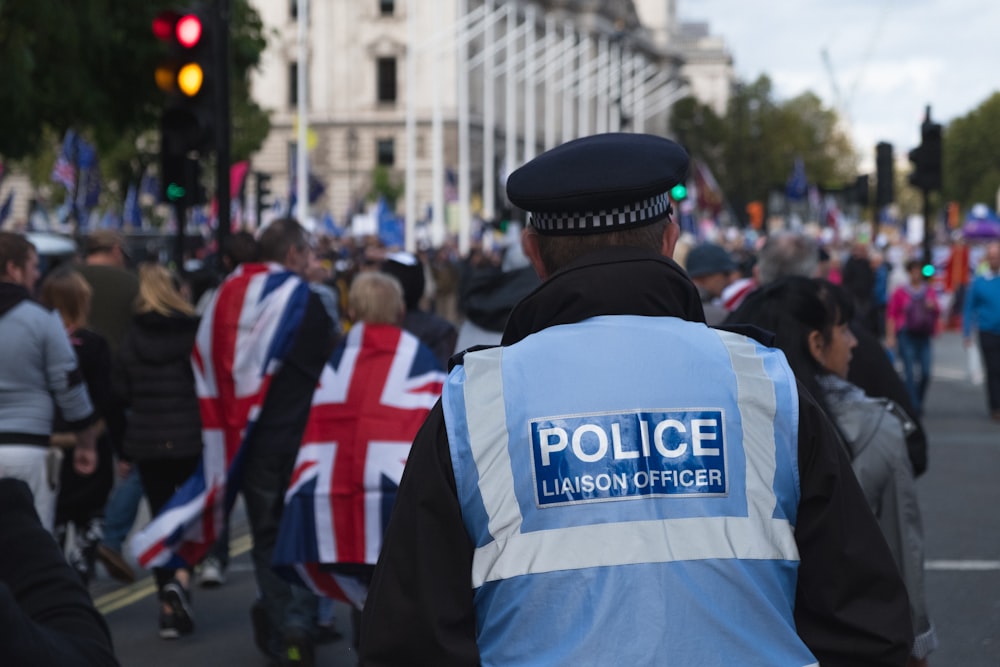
[[787, 253]]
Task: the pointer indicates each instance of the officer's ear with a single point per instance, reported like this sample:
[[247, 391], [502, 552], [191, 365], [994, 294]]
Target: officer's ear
[[671, 233], [529, 244]]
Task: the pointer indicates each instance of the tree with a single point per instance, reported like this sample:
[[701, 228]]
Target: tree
[[88, 65], [971, 159], [753, 149]]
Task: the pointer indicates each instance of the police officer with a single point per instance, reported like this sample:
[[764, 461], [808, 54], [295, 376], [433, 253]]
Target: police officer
[[618, 484]]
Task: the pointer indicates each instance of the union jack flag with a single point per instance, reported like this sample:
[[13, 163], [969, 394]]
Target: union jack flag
[[373, 397], [245, 333]]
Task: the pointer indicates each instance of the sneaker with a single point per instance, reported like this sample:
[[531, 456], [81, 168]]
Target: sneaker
[[180, 603], [168, 625], [212, 573], [297, 649], [115, 564]]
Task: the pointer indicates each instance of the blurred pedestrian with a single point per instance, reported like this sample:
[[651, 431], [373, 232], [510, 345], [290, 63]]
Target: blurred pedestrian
[[911, 323], [710, 266], [37, 366], [792, 253], [114, 291], [81, 500], [565, 493], [488, 292], [48, 617], [811, 322], [154, 379], [982, 314], [375, 393], [434, 331]]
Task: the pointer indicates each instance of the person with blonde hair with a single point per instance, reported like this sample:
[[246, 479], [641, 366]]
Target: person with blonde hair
[[379, 385], [376, 298], [81, 498], [154, 378]]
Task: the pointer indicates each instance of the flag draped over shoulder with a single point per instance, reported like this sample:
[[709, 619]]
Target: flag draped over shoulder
[[246, 332], [374, 394]]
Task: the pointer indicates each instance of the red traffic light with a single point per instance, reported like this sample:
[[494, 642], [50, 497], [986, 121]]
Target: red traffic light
[[188, 30], [163, 25]]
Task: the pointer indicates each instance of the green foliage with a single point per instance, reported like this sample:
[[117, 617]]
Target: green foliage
[[971, 155], [88, 65], [385, 184], [752, 149]]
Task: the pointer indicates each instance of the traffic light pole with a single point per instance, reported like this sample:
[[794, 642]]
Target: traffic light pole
[[928, 227], [220, 18], [180, 214]]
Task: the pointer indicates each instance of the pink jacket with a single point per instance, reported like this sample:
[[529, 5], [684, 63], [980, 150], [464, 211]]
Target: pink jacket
[[900, 299]]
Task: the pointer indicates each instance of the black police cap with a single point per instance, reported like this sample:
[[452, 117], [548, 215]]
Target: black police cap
[[600, 183]]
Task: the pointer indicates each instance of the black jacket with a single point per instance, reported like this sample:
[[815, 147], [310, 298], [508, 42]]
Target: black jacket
[[851, 607], [46, 616], [154, 379]]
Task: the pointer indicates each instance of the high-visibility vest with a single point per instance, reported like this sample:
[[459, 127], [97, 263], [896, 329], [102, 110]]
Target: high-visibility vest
[[631, 487]]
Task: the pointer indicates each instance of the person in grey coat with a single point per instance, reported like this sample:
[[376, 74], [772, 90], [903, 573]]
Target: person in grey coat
[[809, 318]]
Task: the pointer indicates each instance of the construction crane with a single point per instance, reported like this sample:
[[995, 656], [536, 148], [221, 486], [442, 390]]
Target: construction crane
[[843, 101]]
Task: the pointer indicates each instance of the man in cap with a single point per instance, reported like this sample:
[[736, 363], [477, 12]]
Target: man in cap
[[618, 483], [710, 266]]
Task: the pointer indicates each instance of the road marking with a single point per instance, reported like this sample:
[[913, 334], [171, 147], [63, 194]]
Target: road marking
[[962, 565], [145, 587]]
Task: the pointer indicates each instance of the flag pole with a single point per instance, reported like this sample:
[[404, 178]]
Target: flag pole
[[301, 152]]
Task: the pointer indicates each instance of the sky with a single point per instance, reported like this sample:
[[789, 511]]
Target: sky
[[889, 58]]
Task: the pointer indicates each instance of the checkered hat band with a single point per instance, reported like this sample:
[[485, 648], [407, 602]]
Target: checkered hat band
[[631, 215]]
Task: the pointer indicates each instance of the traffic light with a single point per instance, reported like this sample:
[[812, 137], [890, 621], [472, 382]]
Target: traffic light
[[184, 74], [927, 270], [262, 192], [181, 180], [885, 175], [926, 157], [679, 192], [861, 191]]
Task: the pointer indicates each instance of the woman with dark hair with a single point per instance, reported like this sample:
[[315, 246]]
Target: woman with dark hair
[[154, 378], [809, 318]]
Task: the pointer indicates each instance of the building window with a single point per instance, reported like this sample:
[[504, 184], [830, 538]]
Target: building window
[[386, 74], [293, 84], [386, 7], [385, 150]]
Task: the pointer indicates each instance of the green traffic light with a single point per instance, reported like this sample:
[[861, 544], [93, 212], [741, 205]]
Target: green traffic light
[[928, 270], [679, 192], [175, 192]]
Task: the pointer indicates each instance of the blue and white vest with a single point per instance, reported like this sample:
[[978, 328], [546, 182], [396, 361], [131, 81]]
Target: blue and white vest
[[631, 486]]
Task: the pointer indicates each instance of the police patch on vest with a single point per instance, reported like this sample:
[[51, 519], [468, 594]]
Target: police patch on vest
[[616, 456]]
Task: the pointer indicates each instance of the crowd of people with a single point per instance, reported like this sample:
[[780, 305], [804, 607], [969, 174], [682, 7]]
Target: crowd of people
[[125, 382]]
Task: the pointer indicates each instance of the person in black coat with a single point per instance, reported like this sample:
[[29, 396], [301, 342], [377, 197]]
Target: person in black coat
[[153, 377], [82, 498], [46, 616], [433, 330]]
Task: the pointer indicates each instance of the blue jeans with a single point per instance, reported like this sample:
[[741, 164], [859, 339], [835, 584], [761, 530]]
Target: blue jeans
[[121, 510], [915, 352], [266, 473]]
